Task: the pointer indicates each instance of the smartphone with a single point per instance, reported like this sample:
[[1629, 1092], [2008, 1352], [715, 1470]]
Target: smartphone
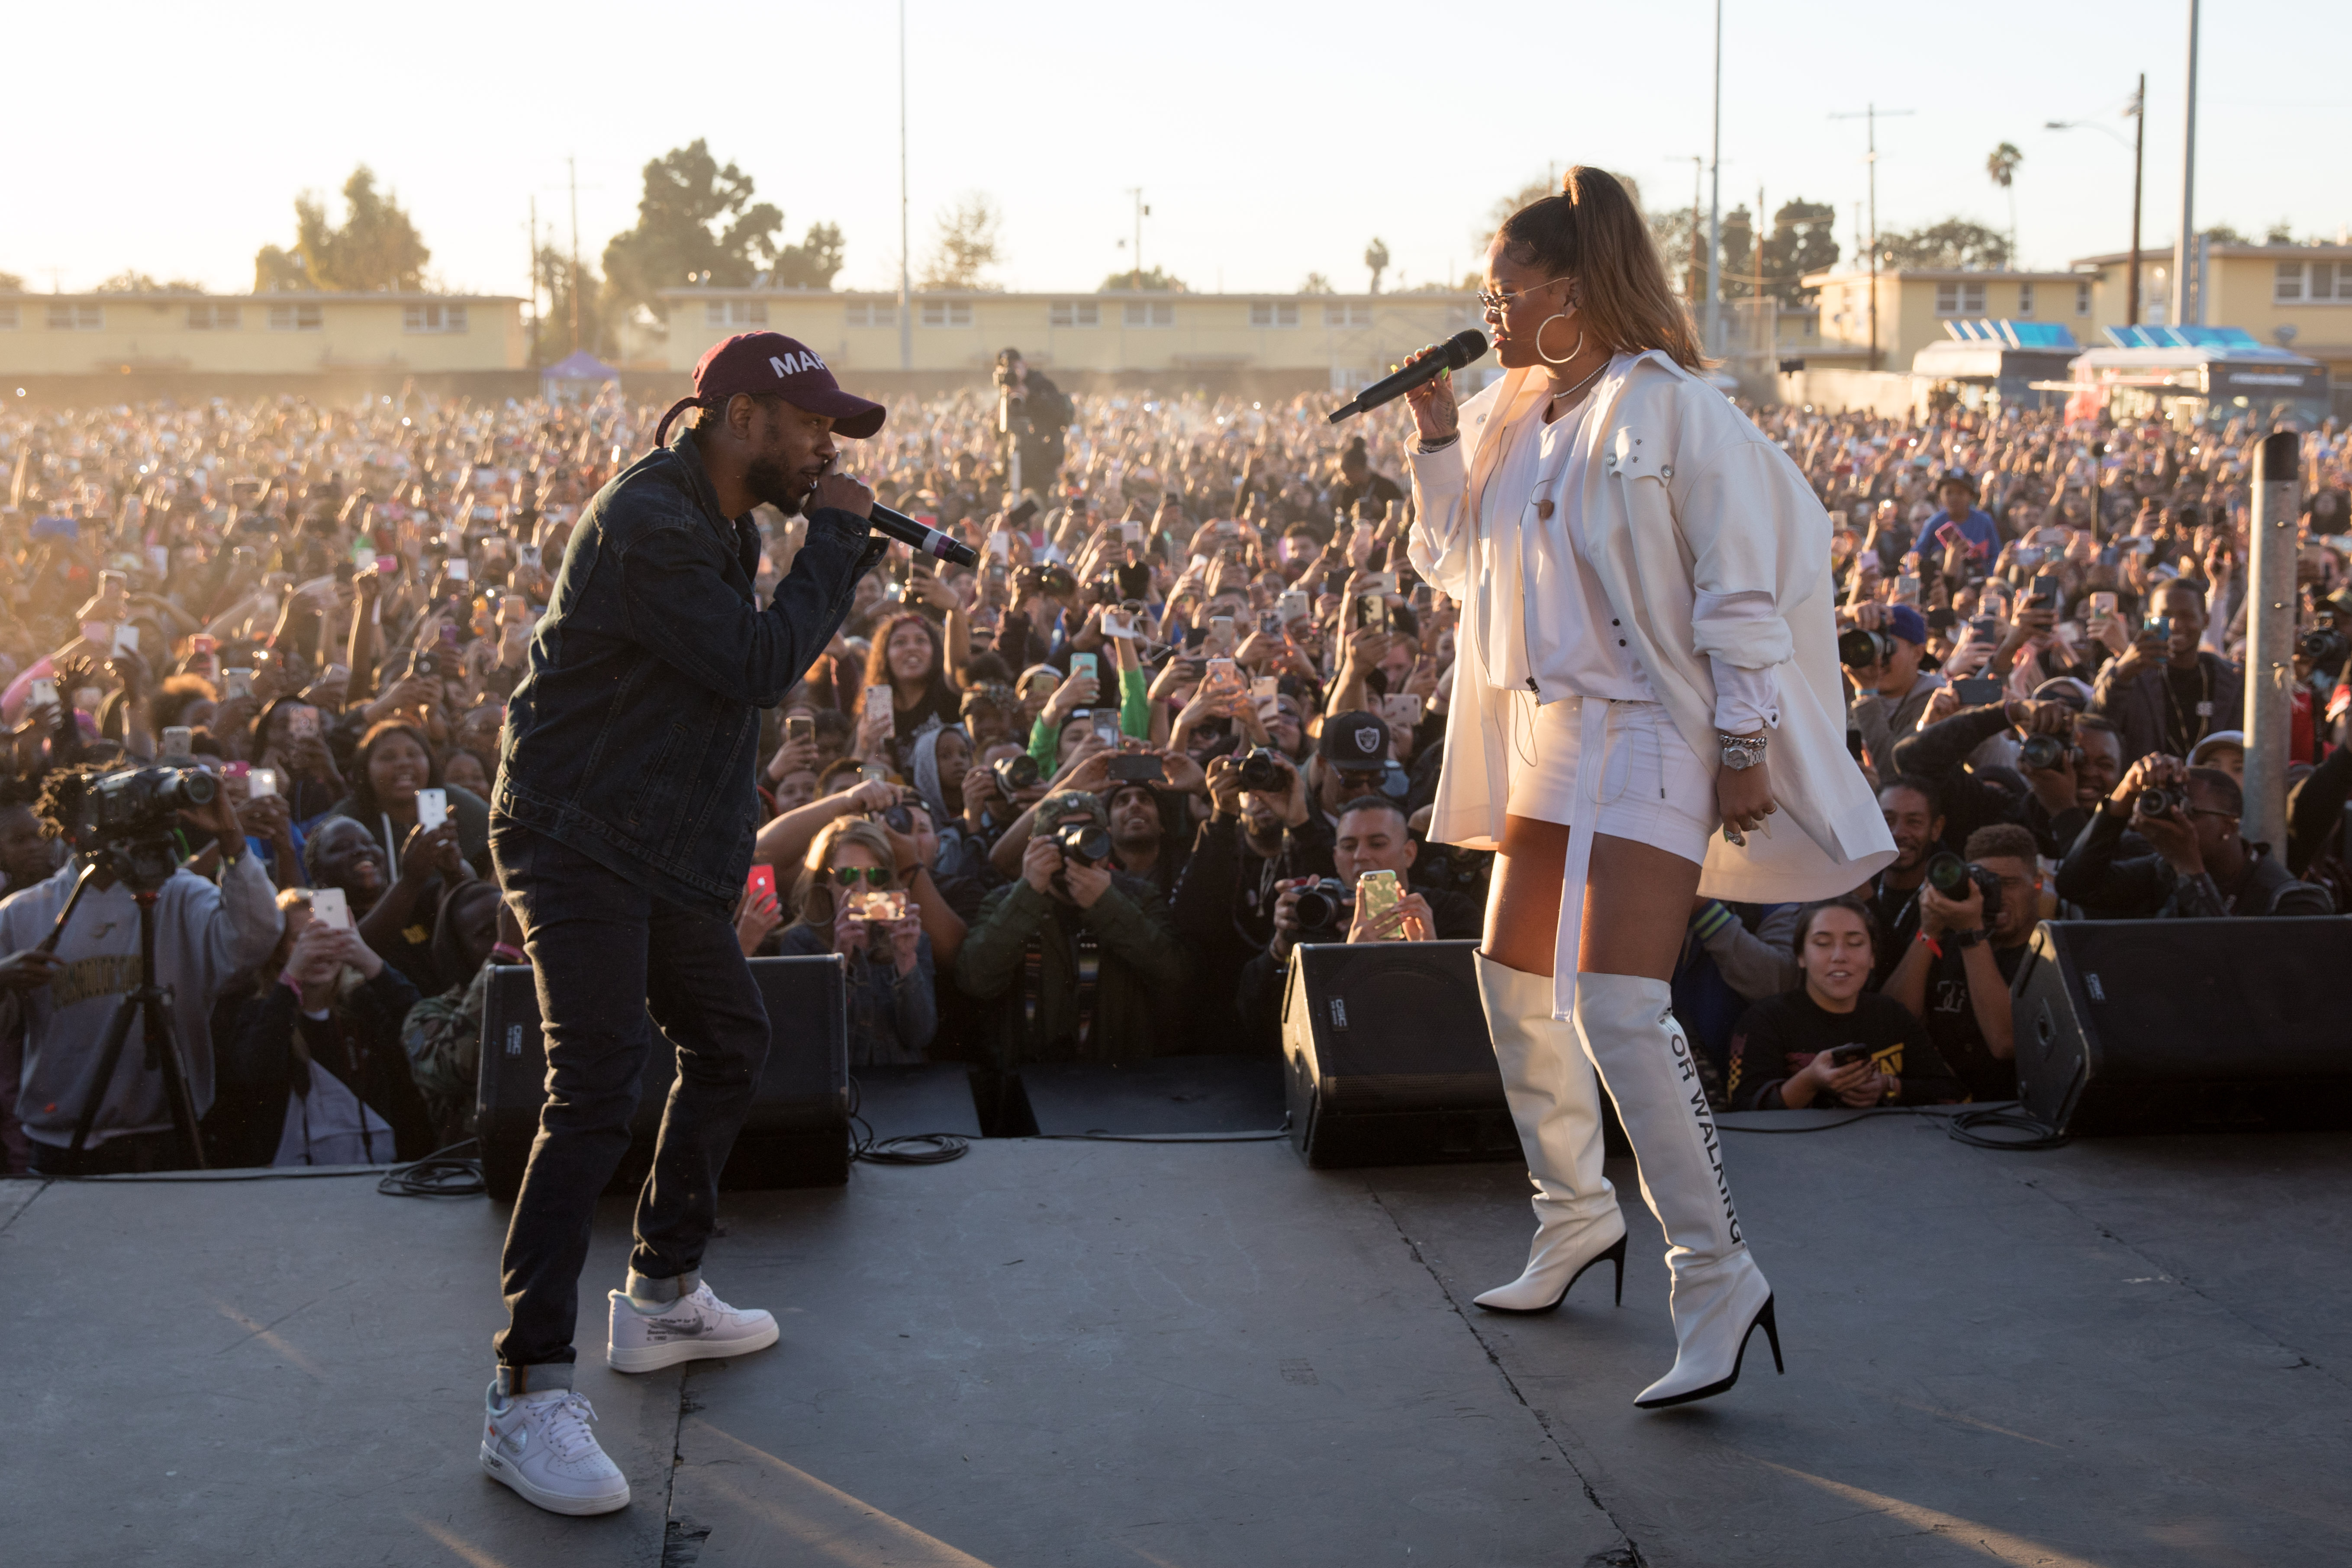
[[1000, 545], [1221, 632], [1846, 1056], [1291, 607], [1372, 613], [1082, 663], [41, 693], [2027, 555], [204, 642], [879, 704], [1119, 624], [878, 904], [2103, 605], [432, 808], [126, 638], [88, 697], [1266, 685], [2156, 627], [459, 572], [260, 782], [1130, 532], [331, 907], [1376, 894], [303, 723], [799, 727], [2042, 596], [178, 743], [1425, 599], [1137, 767], [872, 773], [1106, 724], [1977, 691], [1221, 676], [1380, 583], [1401, 711], [1906, 589], [761, 883]]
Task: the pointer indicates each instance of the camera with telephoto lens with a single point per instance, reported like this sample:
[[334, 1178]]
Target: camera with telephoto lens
[[1322, 907], [2044, 752], [1265, 769], [1860, 649], [1015, 773], [2324, 645], [1083, 839], [2160, 802], [1950, 876], [129, 817]]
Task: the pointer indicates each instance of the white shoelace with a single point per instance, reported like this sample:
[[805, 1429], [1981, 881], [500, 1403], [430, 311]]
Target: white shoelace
[[563, 1425]]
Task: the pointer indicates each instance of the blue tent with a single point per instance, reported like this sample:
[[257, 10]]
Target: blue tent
[[578, 374]]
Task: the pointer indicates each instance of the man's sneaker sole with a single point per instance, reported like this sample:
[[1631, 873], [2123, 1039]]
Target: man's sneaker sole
[[554, 1502], [652, 1358]]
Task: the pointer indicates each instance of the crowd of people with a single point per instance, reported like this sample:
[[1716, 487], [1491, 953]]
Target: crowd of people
[[1085, 800]]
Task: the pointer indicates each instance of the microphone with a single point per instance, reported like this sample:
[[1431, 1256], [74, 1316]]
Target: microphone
[[923, 539], [1457, 350]]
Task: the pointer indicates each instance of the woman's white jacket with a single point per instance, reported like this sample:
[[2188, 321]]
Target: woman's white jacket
[[1682, 495]]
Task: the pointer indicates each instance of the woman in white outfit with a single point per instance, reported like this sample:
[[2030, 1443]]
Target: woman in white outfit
[[1646, 706]]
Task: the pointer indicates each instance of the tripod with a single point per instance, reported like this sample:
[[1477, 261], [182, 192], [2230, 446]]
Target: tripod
[[148, 1002]]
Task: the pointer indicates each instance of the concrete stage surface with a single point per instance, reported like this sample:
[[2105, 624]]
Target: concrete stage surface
[[1204, 1354]]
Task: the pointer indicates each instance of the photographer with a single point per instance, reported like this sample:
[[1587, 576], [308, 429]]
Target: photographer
[[1242, 858], [204, 936], [1915, 818], [2200, 870], [2069, 763], [1038, 414], [1975, 920], [1832, 1041], [1881, 654], [2165, 693], [838, 907], [1079, 960]]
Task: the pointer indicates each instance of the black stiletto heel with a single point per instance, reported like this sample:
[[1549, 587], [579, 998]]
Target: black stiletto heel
[[1762, 1319], [1614, 1255], [1771, 1334]]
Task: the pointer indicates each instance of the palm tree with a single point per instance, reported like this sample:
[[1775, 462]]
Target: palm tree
[[2002, 167], [1376, 257]]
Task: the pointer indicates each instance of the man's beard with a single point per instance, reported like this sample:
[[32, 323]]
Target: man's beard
[[781, 487]]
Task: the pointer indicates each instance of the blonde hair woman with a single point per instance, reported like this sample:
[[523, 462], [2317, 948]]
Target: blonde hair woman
[[1648, 658], [893, 1010]]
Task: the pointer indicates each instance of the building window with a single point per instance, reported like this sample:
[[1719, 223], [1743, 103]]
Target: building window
[[1347, 315], [2330, 282], [1150, 313], [77, 318], [214, 318], [7, 318], [433, 318], [1273, 312], [297, 317], [2081, 298], [1074, 313], [1960, 299], [735, 314], [2025, 301], [947, 313], [869, 313]]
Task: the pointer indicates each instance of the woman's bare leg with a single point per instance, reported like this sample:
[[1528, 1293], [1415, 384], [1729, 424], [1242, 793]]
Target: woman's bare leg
[[1637, 904], [1523, 900]]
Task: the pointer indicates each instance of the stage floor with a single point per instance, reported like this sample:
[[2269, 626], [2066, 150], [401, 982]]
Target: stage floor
[[1204, 1354]]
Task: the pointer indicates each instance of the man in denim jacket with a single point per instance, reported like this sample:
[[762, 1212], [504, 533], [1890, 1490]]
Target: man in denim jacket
[[622, 829]]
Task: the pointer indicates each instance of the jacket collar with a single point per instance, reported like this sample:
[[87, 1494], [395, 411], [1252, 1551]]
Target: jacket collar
[[689, 452]]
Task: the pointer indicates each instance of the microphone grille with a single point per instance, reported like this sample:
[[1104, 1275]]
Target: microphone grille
[[1465, 346]]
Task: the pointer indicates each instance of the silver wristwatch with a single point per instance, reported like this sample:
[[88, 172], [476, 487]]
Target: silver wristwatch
[[1741, 752]]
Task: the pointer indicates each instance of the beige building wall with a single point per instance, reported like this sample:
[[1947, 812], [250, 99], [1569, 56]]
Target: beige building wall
[[1913, 305], [284, 336]]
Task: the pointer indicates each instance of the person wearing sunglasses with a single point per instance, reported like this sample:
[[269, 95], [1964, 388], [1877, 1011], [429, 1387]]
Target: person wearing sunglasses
[[1648, 679], [2202, 868], [893, 1009]]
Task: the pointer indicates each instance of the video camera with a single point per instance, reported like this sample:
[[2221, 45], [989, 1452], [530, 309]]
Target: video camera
[[1950, 876], [128, 818]]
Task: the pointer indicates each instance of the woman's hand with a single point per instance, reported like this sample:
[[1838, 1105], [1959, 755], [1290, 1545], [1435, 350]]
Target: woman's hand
[[904, 934], [1432, 403], [756, 914], [1857, 1083], [849, 932], [430, 852], [1743, 795]]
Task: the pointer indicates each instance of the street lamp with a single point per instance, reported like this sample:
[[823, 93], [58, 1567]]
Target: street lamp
[[2138, 111]]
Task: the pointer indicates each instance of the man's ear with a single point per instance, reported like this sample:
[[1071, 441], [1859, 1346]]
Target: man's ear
[[1412, 850]]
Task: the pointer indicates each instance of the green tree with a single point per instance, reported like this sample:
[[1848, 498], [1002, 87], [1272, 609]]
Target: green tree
[[129, 281], [1739, 279], [556, 338], [1154, 280], [1803, 240], [966, 245], [697, 223], [1375, 261], [1954, 242], [11, 284], [1316, 284], [377, 247], [2002, 169]]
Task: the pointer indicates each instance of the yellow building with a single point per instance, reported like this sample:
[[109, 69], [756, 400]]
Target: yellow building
[[64, 347], [1914, 303], [1277, 342], [2298, 296]]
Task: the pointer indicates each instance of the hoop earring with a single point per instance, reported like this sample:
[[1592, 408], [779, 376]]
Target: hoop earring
[[1548, 320]]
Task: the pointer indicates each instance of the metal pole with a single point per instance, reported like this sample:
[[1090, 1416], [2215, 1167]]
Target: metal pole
[[2184, 242], [2140, 153], [571, 166], [1715, 203], [1870, 120], [534, 283], [906, 290], [2269, 642]]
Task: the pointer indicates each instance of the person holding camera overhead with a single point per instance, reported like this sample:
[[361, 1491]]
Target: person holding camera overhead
[[1976, 912], [2201, 869], [2164, 692], [849, 900], [204, 936], [1079, 960], [1648, 677]]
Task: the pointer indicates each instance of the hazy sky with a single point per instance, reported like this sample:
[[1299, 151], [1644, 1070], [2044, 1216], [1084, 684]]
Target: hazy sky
[[1272, 138]]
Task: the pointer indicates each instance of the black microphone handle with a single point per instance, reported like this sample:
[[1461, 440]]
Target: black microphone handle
[[1456, 352], [921, 539]]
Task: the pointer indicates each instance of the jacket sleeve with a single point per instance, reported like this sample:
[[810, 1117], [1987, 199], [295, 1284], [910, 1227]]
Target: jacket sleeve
[[1752, 964], [2315, 807], [1202, 910], [1758, 1064], [1131, 921], [1752, 525], [241, 922], [2090, 874], [990, 956], [1936, 751], [681, 607], [915, 1001], [1441, 541]]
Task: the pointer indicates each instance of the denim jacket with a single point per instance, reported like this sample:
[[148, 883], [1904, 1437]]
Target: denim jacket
[[632, 737]]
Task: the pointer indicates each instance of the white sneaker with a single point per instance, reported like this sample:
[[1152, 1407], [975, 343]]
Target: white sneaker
[[693, 1328], [541, 1446]]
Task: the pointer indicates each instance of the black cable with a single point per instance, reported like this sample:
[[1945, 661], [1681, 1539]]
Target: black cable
[[907, 1148], [1167, 1137], [2034, 1132], [1864, 1114], [443, 1173]]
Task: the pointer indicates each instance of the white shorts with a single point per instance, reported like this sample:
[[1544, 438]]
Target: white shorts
[[1647, 785]]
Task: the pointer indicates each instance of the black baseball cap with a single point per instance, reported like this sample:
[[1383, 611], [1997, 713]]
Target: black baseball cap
[[1357, 740]]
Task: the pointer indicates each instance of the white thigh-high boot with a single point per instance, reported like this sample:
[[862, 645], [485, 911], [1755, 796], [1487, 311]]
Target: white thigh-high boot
[[1556, 1105], [1719, 1295]]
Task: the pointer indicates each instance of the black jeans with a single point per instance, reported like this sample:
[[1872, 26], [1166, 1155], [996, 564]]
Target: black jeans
[[605, 953]]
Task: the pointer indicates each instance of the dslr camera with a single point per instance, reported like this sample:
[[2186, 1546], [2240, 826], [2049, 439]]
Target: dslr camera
[[2046, 752], [1950, 876], [2157, 801], [1015, 773], [1322, 907], [1265, 769], [1860, 649], [1083, 840]]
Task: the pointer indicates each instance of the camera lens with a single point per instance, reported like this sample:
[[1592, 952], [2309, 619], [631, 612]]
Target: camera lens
[[1860, 647], [1947, 873], [1263, 770], [2157, 801], [1015, 773], [1083, 840], [2042, 751]]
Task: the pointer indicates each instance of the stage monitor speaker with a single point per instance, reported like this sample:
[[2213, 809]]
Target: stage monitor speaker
[[1386, 1057], [796, 1134], [2185, 1026]]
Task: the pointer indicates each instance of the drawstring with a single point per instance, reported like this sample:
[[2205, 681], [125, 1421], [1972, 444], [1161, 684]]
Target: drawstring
[[661, 431]]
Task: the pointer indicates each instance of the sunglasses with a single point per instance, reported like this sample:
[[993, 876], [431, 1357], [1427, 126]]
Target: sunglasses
[[872, 876], [1493, 301]]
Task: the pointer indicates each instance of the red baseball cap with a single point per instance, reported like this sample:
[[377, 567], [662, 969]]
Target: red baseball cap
[[772, 363]]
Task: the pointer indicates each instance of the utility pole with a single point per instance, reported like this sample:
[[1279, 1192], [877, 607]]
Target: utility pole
[[1690, 274], [2270, 621], [1135, 279], [1714, 202], [2140, 155], [1768, 322], [534, 283], [906, 289], [2184, 245], [1869, 117], [571, 171]]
